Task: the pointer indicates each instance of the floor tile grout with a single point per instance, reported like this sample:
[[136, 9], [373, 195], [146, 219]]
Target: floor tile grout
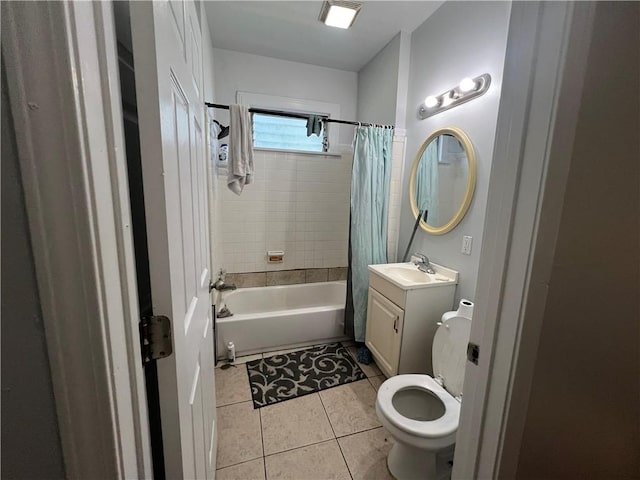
[[264, 457], [245, 460], [321, 441], [335, 437], [374, 387], [357, 433], [301, 446], [345, 459], [239, 463], [234, 403], [327, 414], [309, 444]]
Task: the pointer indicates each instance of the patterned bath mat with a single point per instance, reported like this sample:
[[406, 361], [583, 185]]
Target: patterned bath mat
[[290, 375]]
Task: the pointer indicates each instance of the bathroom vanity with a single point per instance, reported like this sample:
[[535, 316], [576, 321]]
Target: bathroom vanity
[[405, 305]]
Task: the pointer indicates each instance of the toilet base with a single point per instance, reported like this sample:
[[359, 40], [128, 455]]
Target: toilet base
[[410, 463], [406, 462]]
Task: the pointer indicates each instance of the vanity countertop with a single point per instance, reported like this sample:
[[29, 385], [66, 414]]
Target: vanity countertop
[[407, 276]]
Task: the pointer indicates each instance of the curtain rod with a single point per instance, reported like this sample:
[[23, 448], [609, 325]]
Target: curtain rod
[[281, 113]]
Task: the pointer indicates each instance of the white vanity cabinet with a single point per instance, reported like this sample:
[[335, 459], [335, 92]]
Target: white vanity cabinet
[[402, 314]]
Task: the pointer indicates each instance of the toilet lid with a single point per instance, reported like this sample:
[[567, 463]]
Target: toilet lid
[[449, 353]]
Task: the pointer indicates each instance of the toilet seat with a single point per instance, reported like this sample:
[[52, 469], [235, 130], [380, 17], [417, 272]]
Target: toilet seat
[[443, 426]]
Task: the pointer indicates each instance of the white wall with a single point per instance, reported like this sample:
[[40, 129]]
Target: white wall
[[583, 419], [404, 65], [215, 207], [30, 439], [382, 97], [207, 62], [460, 39], [298, 203], [395, 197], [378, 85], [383, 84], [235, 71]]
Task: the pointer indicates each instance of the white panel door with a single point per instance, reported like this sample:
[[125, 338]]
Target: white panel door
[[168, 65]]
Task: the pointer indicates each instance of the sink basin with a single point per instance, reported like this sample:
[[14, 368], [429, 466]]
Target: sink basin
[[407, 276]]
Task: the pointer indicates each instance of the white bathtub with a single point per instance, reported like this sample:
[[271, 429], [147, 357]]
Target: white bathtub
[[273, 318]]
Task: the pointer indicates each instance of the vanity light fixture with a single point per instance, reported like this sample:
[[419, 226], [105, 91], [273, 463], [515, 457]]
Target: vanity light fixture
[[448, 98], [468, 89], [339, 13]]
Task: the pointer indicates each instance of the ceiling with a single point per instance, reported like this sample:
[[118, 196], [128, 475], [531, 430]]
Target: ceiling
[[291, 30]]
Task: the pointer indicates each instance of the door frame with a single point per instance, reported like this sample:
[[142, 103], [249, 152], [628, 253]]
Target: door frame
[[66, 105], [64, 95], [545, 64]]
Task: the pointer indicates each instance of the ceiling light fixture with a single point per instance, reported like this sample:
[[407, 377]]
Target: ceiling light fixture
[[339, 13]]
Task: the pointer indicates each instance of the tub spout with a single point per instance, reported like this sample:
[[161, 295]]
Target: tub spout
[[223, 287]]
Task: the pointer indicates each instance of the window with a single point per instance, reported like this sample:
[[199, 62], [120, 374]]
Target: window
[[285, 133]]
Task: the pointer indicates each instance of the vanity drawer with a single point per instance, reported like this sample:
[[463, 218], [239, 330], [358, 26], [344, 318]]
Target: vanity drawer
[[388, 289]]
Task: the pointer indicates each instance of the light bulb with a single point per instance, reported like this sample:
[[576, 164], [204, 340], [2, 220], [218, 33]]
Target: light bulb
[[468, 84], [431, 101]]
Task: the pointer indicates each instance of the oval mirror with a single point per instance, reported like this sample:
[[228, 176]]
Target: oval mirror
[[443, 178]]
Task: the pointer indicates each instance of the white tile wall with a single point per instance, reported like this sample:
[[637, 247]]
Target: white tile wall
[[215, 210], [395, 198], [298, 203]]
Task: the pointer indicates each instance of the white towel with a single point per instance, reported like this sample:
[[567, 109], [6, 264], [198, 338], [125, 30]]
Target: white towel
[[240, 149], [214, 144]]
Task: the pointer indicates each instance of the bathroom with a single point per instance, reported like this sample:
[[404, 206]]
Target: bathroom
[[283, 243], [423, 264]]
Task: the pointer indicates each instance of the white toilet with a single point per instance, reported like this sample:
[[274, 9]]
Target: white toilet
[[421, 412]]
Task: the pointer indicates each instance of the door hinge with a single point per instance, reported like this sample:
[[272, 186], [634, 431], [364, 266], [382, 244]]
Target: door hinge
[[473, 352], [155, 338]]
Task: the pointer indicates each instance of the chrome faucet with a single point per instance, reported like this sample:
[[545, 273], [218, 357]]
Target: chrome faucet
[[423, 263], [220, 284], [222, 287]]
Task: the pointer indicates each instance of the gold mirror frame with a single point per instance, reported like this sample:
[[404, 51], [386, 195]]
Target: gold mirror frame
[[471, 180]]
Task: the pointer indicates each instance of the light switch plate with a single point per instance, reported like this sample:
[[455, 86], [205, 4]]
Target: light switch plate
[[467, 240]]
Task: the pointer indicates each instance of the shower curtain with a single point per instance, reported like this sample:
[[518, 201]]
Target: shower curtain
[[369, 208], [427, 192]]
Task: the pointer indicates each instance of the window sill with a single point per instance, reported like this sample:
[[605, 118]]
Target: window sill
[[304, 152]]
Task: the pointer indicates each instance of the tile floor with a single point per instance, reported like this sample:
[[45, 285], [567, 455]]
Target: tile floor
[[332, 434]]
